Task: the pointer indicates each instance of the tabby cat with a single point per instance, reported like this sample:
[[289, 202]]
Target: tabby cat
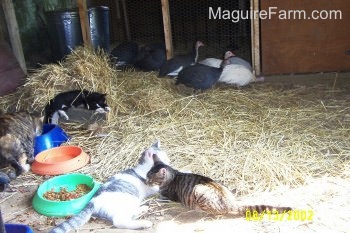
[[63, 101], [198, 192], [119, 199], [17, 135]]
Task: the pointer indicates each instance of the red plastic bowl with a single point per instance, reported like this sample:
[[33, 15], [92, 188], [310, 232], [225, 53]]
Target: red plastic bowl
[[59, 160]]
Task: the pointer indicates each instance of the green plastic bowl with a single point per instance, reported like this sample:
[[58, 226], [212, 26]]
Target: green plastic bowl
[[64, 208]]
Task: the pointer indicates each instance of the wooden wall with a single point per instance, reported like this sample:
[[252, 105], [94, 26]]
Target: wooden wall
[[304, 46]]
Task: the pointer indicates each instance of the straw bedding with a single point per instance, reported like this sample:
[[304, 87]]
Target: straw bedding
[[252, 140]]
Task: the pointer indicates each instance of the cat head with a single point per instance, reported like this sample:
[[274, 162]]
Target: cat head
[[157, 175], [154, 154], [97, 101]]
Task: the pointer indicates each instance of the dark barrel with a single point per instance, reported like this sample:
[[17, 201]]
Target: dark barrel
[[99, 27], [65, 32]]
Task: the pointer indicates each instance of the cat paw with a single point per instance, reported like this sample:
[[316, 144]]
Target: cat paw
[[100, 110], [107, 109], [26, 167]]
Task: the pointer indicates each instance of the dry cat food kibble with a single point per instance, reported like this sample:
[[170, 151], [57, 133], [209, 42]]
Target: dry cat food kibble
[[65, 195]]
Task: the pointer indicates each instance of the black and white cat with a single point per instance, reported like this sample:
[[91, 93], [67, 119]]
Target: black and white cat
[[58, 106], [119, 199]]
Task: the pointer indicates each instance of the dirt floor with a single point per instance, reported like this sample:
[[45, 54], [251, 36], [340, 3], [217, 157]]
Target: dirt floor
[[170, 217]]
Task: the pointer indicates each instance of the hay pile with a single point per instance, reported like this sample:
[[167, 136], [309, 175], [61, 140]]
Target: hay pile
[[252, 140]]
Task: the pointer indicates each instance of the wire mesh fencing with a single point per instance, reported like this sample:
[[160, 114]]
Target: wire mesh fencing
[[50, 29]]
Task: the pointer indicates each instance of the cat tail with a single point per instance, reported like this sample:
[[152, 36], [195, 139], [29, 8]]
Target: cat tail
[[252, 210], [75, 221]]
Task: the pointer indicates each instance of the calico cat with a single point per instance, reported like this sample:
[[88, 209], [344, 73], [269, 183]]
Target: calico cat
[[200, 193], [17, 135], [119, 199], [62, 102]]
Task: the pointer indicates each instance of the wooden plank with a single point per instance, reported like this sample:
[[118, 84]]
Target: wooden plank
[[126, 18], [167, 29], [84, 22], [305, 45], [15, 38], [255, 38]]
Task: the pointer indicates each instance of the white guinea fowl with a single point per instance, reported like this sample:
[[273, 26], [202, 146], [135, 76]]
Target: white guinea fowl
[[237, 60], [237, 75], [237, 71]]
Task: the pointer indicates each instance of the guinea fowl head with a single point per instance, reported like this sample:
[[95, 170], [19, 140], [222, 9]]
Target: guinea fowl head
[[195, 50], [229, 54], [199, 44]]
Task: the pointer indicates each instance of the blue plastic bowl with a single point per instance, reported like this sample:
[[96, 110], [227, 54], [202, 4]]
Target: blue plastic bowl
[[52, 136], [17, 228]]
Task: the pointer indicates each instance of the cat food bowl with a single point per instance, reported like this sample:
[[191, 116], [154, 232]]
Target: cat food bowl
[[59, 160], [17, 228], [52, 136], [62, 207]]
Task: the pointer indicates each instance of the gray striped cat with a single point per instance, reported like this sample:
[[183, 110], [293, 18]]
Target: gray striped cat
[[198, 192], [119, 199], [17, 136]]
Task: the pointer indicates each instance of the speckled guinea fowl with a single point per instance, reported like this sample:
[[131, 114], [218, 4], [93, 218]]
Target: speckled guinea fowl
[[173, 66], [199, 76]]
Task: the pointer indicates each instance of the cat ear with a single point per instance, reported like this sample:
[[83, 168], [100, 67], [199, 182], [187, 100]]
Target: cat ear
[[156, 144], [42, 118], [162, 171]]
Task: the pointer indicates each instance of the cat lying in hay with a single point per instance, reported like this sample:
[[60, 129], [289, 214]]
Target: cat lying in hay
[[58, 106], [118, 200], [199, 192], [17, 134]]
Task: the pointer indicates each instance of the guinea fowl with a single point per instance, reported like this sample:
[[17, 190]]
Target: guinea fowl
[[199, 76], [237, 72], [125, 53], [173, 66], [237, 60], [150, 57], [216, 62]]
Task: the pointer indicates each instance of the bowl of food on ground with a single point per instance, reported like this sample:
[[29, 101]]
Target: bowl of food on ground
[[64, 195]]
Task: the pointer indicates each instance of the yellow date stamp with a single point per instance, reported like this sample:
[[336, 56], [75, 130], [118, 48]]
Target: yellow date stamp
[[290, 215]]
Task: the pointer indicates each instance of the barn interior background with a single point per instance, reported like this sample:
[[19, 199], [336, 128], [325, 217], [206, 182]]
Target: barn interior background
[[252, 140], [43, 24]]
